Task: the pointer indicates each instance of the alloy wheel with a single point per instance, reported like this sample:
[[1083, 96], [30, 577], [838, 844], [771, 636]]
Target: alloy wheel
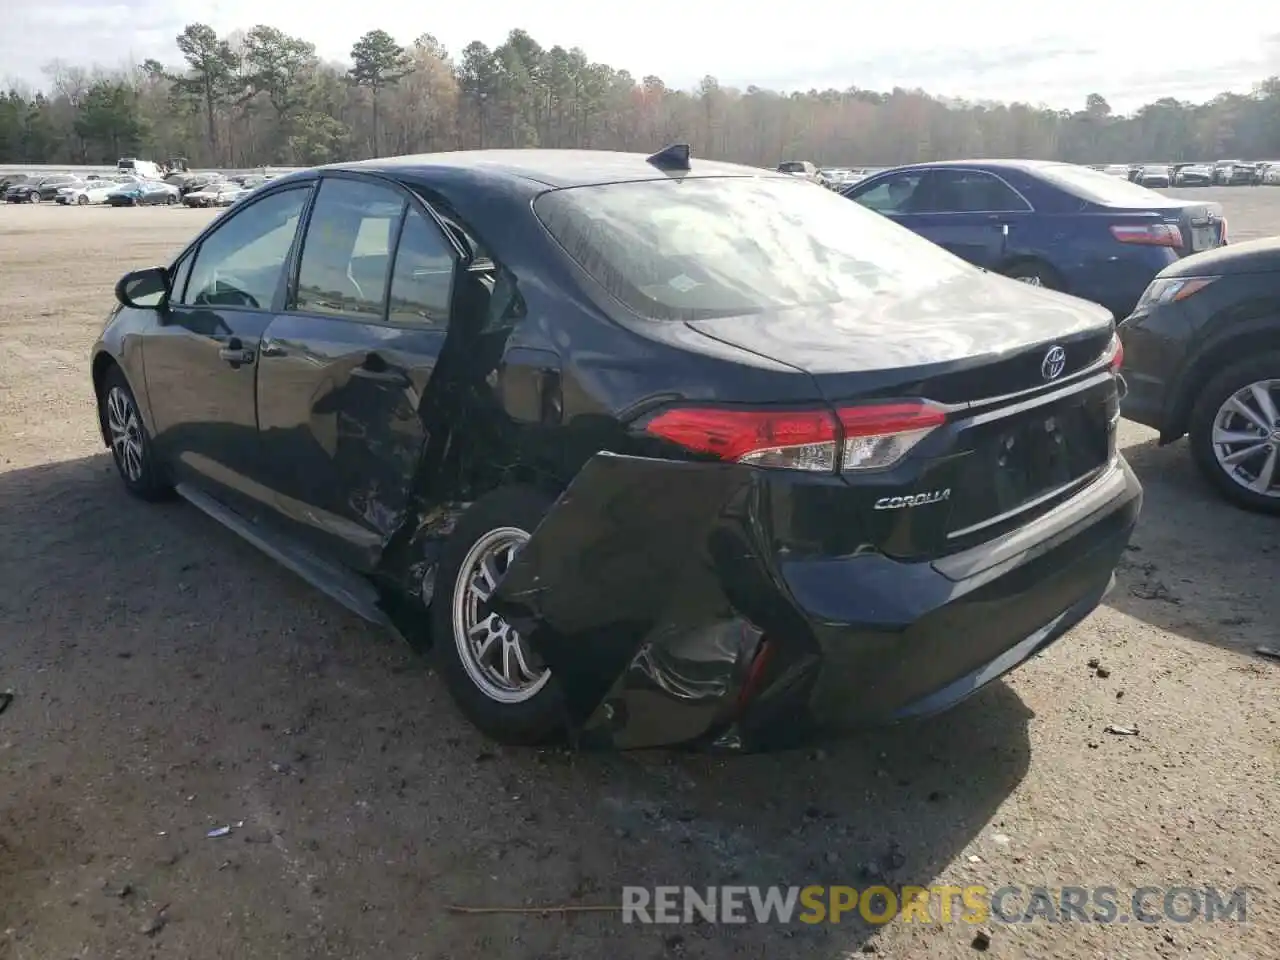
[[125, 427], [1246, 437], [495, 657]]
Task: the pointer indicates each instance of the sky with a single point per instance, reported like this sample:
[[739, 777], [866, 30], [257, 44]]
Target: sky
[[1033, 51]]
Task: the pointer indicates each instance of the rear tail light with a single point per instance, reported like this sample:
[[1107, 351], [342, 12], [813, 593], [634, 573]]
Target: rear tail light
[[853, 438], [1150, 234], [1114, 354], [879, 436]]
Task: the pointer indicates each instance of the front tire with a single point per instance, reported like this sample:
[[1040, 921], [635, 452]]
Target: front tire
[[131, 447], [493, 676], [1235, 433]]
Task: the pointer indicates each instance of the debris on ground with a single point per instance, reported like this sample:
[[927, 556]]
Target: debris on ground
[[1119, 731], [981, 940], [1094, 663], [157, 922], [1102, 673], [217, 832]]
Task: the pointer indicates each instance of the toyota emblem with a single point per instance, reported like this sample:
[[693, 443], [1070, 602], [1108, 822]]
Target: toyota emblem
[[1054, 362]]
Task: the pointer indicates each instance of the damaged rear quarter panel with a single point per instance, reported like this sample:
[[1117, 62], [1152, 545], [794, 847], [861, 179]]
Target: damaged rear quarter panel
[[646, 589]]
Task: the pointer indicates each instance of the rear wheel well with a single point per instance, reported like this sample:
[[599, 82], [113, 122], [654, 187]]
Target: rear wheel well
[[1010, 265], [1218, 357], [102, 365]]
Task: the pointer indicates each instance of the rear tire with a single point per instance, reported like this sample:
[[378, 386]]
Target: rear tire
[[131, 446], [1035, 274], [82, 200], [494, 678], [1218, 411]]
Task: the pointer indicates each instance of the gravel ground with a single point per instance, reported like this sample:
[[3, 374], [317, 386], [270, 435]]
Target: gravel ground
[[168, 680]]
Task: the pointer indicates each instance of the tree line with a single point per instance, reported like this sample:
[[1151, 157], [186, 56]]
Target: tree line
[[263, 96]]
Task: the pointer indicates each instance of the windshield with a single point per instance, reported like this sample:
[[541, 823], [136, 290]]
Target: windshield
[[1097, 187], [726, 246]]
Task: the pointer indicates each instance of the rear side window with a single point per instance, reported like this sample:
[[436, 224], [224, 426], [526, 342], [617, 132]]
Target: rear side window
[[346, 255], [967, 191], [422, 281], [707, 247]]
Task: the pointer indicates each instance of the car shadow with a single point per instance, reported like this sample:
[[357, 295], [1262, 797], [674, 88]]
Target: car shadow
[[262, 703], [1197, 566]]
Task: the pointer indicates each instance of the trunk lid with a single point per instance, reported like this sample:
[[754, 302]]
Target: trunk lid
[[972, 337], [1026, 428]]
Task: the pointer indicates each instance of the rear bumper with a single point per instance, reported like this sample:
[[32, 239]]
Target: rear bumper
[[961, 622], [652, 593]]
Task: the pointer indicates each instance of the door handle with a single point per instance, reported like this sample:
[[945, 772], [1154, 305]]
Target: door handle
[[235, 353], [393, 377]]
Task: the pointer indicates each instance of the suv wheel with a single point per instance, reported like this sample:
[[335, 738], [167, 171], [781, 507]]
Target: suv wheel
[[497, 681], [1235, 433]]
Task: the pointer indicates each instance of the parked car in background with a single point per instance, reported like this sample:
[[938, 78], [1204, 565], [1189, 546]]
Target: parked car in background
[[1050, 224], [415, 421], [1202, 358], [220, 193], [1272, 174], [37, 190], [1193, 174], [1234, 173], [801, 169], [142, 193], [195, 182], [90, 191], [1154, 175], [12, 180]]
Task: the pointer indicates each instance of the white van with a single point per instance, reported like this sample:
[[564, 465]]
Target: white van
[[145, 169]]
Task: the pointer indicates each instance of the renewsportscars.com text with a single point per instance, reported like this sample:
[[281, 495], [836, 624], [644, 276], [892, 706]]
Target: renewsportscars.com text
[[974, 904]]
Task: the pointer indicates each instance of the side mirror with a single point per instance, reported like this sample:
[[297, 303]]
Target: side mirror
[[143, 289]]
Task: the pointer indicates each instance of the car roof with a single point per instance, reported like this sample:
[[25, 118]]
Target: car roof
[[552, 168], [1027, 166]]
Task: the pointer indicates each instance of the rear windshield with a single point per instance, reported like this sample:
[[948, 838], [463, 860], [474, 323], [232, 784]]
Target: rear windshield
[[726, 246], [1098, 187]]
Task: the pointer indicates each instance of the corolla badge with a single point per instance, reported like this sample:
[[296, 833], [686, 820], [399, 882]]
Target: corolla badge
[[1054, 362], [913, 500]]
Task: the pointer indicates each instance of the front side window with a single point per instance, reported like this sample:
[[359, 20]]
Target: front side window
[[894, 194], [422, 281], [242, 261], [346, 254], [707, 247]]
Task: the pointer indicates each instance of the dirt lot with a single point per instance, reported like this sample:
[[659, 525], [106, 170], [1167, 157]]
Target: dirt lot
[[169, 680]]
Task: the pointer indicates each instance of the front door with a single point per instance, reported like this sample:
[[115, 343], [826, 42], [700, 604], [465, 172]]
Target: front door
[[345, 369], [201, 367]]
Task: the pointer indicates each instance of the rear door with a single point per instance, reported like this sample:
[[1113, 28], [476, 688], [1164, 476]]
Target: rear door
[[971, 213], [202, 362], [345, 368]]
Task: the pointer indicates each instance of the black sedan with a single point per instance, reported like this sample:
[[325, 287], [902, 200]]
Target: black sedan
[[34, 191], [1202, 354], [657, 451]]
